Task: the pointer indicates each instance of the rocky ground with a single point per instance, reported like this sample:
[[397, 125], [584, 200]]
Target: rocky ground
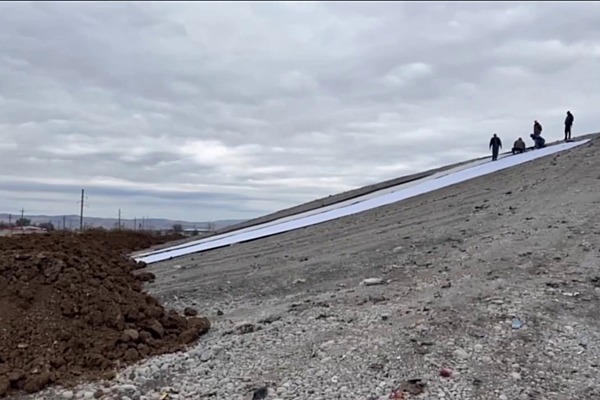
[[485, 290]]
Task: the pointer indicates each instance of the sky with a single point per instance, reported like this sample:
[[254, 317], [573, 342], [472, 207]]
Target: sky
[[215, 110]]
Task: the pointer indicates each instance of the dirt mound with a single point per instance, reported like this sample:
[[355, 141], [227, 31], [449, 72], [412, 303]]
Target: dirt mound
[[71, 308], [130, 240]]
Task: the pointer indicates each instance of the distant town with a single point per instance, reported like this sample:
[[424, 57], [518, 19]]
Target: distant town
[[22, 223]]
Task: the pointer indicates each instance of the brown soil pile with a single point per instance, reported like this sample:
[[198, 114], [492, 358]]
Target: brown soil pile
[[71, 308], [129, 240]]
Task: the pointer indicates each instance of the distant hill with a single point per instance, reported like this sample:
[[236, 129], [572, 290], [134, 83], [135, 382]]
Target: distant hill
[[72, 222]]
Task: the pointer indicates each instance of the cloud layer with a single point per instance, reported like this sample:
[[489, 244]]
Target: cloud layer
[[221, 110]]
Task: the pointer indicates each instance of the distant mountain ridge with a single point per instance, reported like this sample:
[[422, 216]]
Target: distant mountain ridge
[[72, 222]]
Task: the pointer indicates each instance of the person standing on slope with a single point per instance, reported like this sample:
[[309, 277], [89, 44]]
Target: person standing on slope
[[537, 128], [568, 125], [495, 145], [538, 140]]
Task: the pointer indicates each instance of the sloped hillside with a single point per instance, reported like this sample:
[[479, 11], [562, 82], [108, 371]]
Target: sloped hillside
[[493, 283]]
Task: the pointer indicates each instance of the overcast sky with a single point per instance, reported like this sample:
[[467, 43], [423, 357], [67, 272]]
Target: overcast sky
[[232, 110]]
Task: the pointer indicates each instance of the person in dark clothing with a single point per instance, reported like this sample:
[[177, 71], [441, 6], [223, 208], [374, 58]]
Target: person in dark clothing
[[537, 128], [519, 146], [568, 124], [495, 145], [539, 141]]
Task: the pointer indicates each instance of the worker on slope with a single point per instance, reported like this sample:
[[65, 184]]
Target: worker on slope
[[495, 145], [537, 128], [538, 140], [518, 146], [568, 124]]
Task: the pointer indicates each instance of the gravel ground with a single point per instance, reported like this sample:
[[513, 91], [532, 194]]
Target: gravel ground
[[495, 281]]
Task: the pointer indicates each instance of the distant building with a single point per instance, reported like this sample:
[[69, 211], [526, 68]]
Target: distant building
[[21, 230], [196, 231]]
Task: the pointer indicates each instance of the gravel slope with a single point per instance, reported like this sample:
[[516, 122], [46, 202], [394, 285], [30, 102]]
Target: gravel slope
[[460, 263]]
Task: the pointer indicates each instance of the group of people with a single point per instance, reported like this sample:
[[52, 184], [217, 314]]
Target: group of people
[[538, 141]]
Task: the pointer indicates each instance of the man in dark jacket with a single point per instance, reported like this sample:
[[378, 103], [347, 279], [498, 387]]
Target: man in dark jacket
[[568, 125], [537, 128], [495, 145]]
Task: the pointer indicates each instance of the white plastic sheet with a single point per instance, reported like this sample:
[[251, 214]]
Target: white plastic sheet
[[353, 206]]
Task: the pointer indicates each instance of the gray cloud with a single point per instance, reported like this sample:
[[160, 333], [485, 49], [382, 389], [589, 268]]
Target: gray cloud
[[213, 110]]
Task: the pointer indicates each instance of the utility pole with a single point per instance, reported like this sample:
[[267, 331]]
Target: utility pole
[[9, 220], [119, 221], [64, 223], [22, 222], [134, 224], [81, 213]]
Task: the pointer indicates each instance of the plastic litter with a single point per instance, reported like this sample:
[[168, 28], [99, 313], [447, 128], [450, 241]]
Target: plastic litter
[[517, 323]]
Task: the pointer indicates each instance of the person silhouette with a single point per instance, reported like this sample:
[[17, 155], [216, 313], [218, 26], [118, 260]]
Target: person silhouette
[[568, 124], [495, 145]]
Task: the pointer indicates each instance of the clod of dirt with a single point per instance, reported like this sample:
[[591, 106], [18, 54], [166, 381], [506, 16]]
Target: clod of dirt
[[71, 308], [190, 312], [145, 276], [413, 386], [260, 393]]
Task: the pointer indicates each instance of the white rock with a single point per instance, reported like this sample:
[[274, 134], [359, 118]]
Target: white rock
[[373, 281], [207, 355], [127, 388], [515, 375], [68, 394], [460, 353]]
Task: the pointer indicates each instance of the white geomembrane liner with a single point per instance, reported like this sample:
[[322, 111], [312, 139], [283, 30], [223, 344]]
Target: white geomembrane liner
[[353, 206]]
